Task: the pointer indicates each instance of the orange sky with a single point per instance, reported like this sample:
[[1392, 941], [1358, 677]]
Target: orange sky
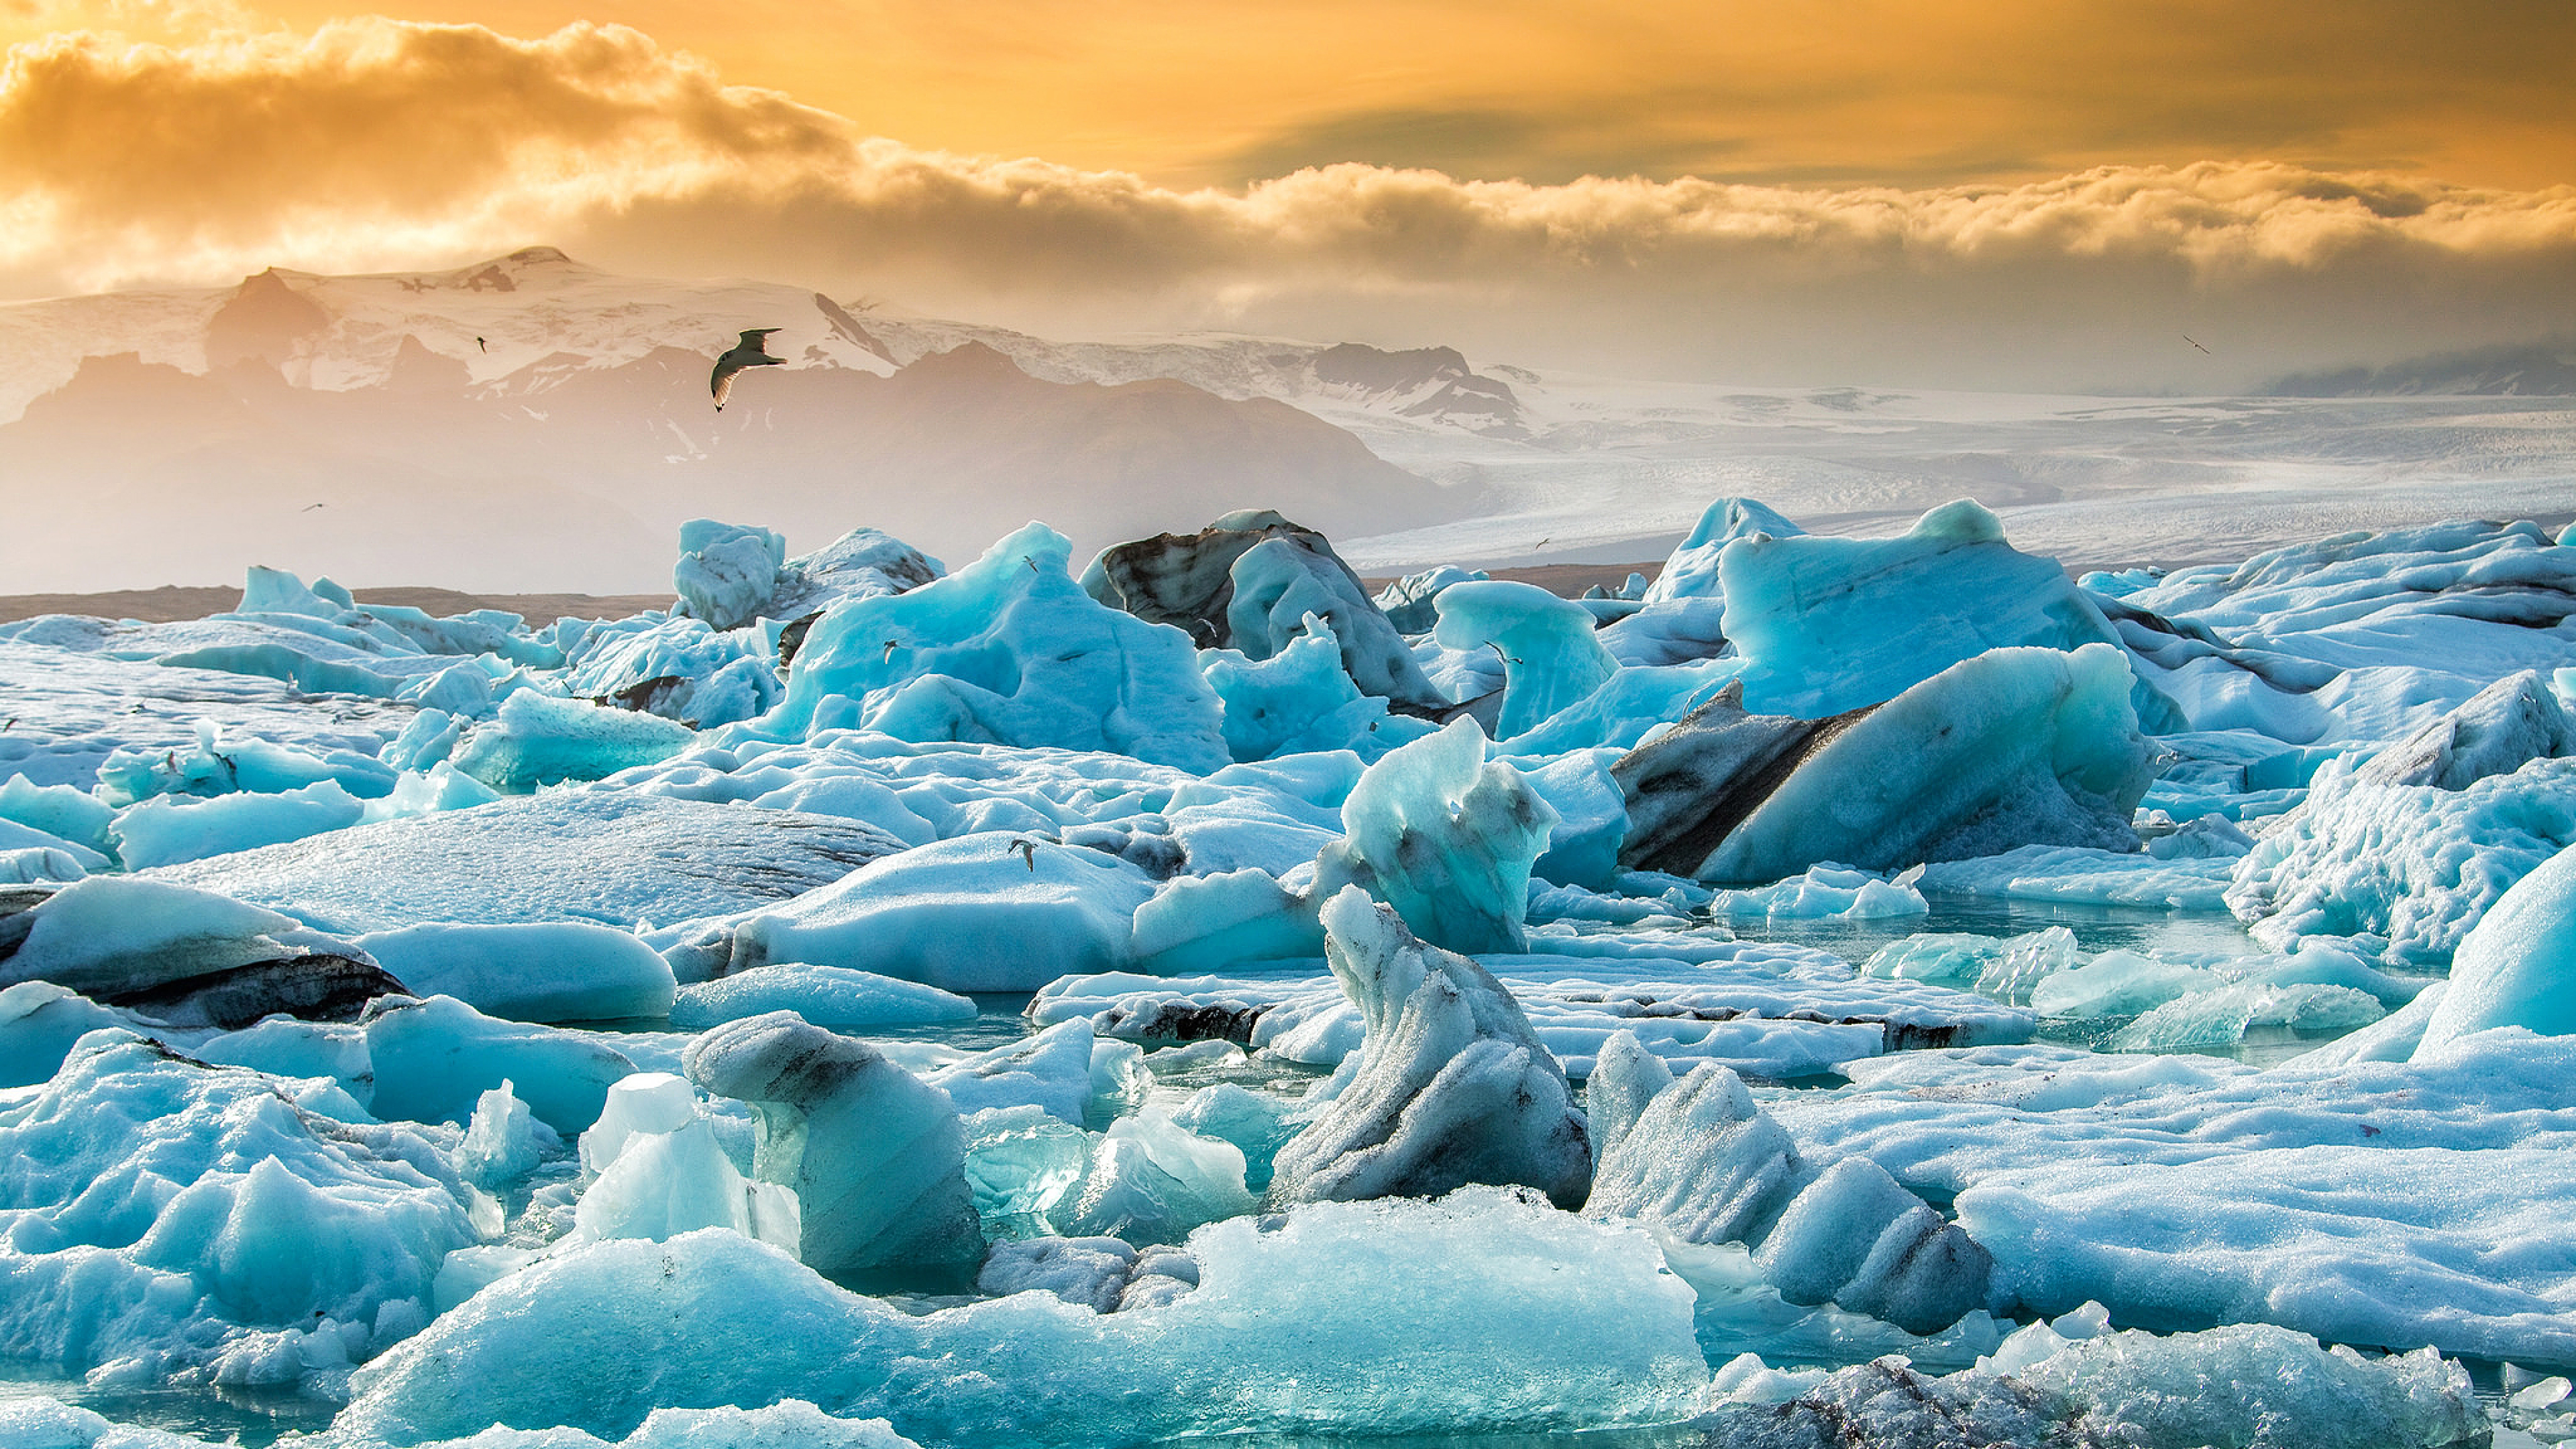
[[2332, 178], [1187, 92]]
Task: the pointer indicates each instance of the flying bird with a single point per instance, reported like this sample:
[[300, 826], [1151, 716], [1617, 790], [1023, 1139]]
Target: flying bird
[[308, 508], [479, 347], [751, 351], [2187, 338], [1028, 850]]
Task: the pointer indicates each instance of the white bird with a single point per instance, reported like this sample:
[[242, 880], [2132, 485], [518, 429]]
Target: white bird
[[751, 351]]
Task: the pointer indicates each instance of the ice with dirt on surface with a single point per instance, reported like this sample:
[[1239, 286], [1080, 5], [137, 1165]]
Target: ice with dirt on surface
[[1449, 1087], [874, 1156], [1010, 650]]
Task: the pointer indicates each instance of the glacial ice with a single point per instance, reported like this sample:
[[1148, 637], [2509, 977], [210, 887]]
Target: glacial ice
[[2016, 746], [1835, 624], [220, 1046], [1514, 1318], [530, 971], [1551, 662], [1446, 838], [874, 1155], [1008, 650], [162, 1219], [1450, 1086], [828, 996]]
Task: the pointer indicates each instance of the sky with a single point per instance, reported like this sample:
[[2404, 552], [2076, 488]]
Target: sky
[[2012, 195]]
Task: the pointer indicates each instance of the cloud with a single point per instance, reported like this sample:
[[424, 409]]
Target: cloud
[[374, 144]]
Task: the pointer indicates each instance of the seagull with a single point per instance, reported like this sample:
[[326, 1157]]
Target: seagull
[[2187, 338], [1028, 850], [479, 347], [751, 351], [308, 508]]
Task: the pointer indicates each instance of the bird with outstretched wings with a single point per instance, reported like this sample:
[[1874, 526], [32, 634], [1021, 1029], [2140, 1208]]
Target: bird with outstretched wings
[[751, 351]]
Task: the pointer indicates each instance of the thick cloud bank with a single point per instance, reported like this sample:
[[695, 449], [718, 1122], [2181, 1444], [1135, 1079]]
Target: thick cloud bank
[[374, 143]]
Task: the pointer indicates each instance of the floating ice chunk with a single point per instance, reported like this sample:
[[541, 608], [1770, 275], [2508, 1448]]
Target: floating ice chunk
[[1050, 1071], [1484, 1289], [1257, 1123], [2223, 1015], [1008, 650], [1696, 1157], [1450, 1088], [679, 668], [162, 831], [1301, 699], [1409, 602], [1446, 838], [502, 1143], [2118, 983], [39, 1022], [663, 1184], [2518, 965], [1245, 583], [861, 563], [1692, 570], [874, 1155], [2013, 747], [727, 572], [1639, 700], [426, 792], [1090, 1271], [217, 764], [2081, 875], [828, 996], [1855, 1237], [1206, 922], [61, 811], [2513, 721], [615, 857], [1021, 1165], [535, 740], [283, 1047], [1550, 659], [110, 935], [554, 971], [1152, 1181], [2414, 863], [1826, 891], [434, 1059], [1625, 1077], [1835, 624], [163, 1216], [2248, 1386], [641, 1103], [39, 865], [989, 912]]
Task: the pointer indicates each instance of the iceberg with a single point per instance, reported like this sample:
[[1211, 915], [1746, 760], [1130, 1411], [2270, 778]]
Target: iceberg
[[1551, 662], [1449, 1088], [1831, 625], [530, 971], [1444, 837], [2013, 747], [1008, 650], [874, 1155]]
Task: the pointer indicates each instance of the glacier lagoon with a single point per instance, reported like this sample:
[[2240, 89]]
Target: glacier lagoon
[[1848, 991]]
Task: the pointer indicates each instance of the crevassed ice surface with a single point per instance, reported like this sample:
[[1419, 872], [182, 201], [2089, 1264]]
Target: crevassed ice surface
[[1008, 1023]]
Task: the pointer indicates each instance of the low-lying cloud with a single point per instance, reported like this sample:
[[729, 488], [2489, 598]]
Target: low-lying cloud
[[374, 145]]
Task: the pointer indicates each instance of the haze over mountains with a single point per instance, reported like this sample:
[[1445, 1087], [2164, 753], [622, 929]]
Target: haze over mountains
[[532, 423]]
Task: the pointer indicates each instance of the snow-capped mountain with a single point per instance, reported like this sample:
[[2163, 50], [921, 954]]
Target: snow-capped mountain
[[533, 422]]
